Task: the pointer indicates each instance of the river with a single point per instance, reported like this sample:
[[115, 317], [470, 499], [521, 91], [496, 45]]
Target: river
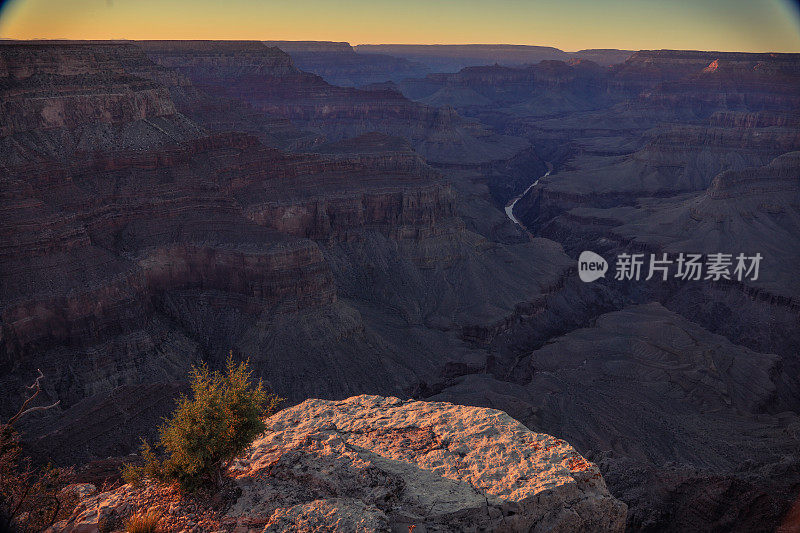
[[512, 203]]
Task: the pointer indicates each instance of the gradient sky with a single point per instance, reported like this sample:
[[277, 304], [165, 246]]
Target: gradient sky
[[742, 25]]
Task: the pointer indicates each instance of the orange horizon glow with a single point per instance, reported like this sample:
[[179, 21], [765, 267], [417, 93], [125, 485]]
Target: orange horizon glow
[[571, 25]]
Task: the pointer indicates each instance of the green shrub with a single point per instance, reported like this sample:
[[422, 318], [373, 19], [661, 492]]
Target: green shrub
[[132, 474], [152, 468], [222, 417]]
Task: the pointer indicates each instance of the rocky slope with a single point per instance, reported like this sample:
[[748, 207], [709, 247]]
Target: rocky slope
[[674, 159], [750, 209], [370, 463], [666, 408]]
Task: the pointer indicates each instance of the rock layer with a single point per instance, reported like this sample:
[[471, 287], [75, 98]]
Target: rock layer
[[138, 239]]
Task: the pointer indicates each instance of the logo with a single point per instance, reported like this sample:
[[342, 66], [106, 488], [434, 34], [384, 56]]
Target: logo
[[687, 267], [591, 266]]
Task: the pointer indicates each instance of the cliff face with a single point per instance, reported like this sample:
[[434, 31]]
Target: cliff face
[[135, 242], [398, 214], [63, 99], [339, 64], [381, 464], [265, 78], [687, 116], [51, 86], [674, 159], [711, 80], [92, 257], [547, 88]]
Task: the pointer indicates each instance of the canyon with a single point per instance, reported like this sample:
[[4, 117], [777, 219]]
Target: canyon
[[166, 203]]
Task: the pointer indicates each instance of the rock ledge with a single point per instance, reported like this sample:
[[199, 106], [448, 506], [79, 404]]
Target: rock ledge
[[370, 463]]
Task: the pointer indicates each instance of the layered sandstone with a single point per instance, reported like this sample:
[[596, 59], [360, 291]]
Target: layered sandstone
[[547, 88], [265, 78], [126, 226], [675, 159], [137, 244]]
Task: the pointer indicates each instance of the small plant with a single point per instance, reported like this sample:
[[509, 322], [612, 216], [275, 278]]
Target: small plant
[[132, 474], [222, 417], [146, 522]]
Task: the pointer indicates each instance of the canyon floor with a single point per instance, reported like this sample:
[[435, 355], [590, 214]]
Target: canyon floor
[[344, 226]]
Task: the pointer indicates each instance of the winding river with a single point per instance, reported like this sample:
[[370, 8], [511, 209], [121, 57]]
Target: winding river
[[512, 203]]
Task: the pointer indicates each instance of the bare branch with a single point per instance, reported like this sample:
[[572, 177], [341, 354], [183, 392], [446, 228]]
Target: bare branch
[[36, 383], [24, 410], [23, 407], [38, 408]]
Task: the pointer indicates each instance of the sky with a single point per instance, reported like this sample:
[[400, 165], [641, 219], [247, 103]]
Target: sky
[[736, 25]]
